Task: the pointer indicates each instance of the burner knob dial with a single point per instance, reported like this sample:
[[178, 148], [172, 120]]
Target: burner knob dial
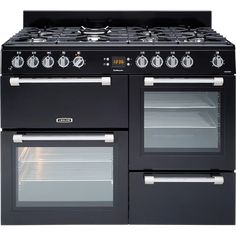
[[187, 61], [33, 62], [48, 62], [78, 61], [17, 62], [141, 61], [63, 61], [172, 61], [217, 61], [157, 61]]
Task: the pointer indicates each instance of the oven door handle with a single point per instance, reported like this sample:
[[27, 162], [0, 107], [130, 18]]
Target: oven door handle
[[104, 81], [157, 179], [107, 138], [216, 81]]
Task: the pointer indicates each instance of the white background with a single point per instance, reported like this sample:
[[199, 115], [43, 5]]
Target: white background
[[11, 13]]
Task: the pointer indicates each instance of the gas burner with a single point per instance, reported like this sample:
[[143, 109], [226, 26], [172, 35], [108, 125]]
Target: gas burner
[[169, 29], [214, 38], [196, 40], [94, 31], [185, 36], [165, 37], [46, 34], [148, 39], [38, 40], [83, 38], [204, 30]]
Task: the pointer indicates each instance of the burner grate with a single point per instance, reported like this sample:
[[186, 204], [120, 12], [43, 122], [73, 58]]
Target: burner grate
[[119, 35]]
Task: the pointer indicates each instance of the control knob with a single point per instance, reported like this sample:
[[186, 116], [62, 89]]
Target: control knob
[[217, 61], [172, 61], [48, 62], [17, 61], [157, 61], [78, 61], [33, 62], [141, 61], [187, 61], [63, 61]]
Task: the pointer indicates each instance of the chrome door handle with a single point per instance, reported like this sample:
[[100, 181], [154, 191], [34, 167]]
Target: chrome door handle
[[16, 81], [150, 81], [107, 138], [157, 179]]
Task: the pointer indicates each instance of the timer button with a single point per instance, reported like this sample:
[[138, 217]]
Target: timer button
[[141, 61]]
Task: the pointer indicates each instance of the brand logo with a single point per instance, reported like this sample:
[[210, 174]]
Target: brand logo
[[64, 120]]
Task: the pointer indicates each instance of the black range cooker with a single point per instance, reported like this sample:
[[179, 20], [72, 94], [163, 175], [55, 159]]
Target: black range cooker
[[117, 118]]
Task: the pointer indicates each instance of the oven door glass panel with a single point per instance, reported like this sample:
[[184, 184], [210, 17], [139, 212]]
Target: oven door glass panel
[[181, 121], [65, 176]]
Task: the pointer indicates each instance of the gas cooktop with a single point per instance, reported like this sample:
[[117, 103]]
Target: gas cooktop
[[70, 43], [117, 35]]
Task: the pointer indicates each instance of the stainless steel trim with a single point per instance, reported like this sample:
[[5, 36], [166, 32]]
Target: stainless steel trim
[[150, 81], [107, 138], [156, 179], [16, 81]]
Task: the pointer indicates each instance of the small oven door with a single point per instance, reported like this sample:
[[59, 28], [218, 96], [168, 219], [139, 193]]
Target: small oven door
[[182, 123], [68, 178]]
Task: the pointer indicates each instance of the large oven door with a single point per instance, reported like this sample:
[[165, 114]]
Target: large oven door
[[64, 178], [64, 102], [182, 123]]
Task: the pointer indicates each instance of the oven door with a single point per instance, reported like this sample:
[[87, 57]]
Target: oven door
[[64, 178], [65, 102], [182, 123]]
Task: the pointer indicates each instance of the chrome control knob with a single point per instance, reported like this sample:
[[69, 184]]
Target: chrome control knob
[[141, 61], [17, 61], [157, 61], [187, 61], [78, 61], [63, 61], [217, 61], [48, 62], [172, 61], [33, 62]]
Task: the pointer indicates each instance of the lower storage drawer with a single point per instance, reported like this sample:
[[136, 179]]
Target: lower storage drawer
[[201, 198]]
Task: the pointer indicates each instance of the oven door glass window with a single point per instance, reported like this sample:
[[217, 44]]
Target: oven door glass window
[[181, 121], [65, 176]]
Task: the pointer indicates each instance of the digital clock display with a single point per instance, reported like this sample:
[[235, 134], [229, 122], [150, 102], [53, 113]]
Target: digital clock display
[[118, 62]]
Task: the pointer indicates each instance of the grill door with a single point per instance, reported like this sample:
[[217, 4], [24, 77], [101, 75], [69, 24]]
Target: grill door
[[64, 102]]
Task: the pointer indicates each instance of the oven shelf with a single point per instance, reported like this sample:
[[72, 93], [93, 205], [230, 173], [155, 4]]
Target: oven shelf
[[66, 155], [177, 100], [39, 171], [71, 180], [170, 119]]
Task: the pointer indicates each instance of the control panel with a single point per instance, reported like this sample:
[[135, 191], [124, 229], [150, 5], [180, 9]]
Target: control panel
[[117, 61]]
